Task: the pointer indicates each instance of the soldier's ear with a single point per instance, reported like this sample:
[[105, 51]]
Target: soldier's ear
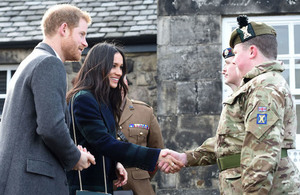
[[253, 50]]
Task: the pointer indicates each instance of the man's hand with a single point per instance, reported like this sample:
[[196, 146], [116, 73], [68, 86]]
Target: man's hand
[[85, 160], [169, 163], [122, 175]]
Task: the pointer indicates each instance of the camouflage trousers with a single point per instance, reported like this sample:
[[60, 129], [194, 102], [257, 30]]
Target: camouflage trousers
[[286, 181]]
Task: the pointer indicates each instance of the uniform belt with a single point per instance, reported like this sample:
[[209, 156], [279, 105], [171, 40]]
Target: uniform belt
[[232, 161]]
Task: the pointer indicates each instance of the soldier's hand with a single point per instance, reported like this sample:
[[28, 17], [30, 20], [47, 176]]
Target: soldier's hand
[[168, 163]]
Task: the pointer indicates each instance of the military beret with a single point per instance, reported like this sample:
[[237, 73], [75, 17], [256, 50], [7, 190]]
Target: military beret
[[227, 53], [247, 31]]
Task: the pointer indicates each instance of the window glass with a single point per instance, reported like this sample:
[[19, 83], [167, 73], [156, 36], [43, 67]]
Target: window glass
[[298, 117], [297, 39], [3, 77], [6, 72], [297, 73], [13, 72], [282, 39], [286, 72], [1, 105]]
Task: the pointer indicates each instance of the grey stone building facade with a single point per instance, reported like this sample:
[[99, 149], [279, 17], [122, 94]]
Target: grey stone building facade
[[173, 50], [189, 64]]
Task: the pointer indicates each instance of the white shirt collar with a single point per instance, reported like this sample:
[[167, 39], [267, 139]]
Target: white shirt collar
[[57, 54]]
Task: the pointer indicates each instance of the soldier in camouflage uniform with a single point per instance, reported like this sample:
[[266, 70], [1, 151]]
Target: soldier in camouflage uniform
[[258, 122]]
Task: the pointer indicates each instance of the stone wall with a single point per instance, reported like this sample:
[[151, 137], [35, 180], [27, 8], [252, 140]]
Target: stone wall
[[189, 94], [13, 56], [189, 79]]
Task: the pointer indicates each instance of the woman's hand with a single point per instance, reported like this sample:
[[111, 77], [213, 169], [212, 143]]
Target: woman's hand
[[122, 175]]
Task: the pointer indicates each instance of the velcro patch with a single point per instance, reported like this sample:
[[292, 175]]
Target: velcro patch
[[261, 119], [262, 109]]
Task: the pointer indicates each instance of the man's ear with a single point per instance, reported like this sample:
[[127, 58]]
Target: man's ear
[[253, 51], [63, 29]]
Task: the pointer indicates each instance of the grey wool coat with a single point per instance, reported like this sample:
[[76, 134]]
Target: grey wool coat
[[35, 145]]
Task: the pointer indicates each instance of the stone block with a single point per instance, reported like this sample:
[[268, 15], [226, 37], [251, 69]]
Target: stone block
[[193, 130], [139, 93], [186, 97], [68, 67], [197, 177], [199, 29], [166, 98], [146, 63], [189, 63], [141, 80], [163, 31], [167, 181], [76, 66], [187, 140], [168, 125], [13, 56], [203, 124], [209, 97]]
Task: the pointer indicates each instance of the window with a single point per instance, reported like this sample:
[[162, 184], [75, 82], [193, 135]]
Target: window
[[288, 30], [6, 72]]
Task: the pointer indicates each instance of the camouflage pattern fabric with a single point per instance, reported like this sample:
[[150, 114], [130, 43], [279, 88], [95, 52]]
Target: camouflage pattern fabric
[[257, 121]]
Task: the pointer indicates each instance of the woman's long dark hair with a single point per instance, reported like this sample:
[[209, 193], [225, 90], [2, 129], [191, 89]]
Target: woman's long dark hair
[[93, 76]]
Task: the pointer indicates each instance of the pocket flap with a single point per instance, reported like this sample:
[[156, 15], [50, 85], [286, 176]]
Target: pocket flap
[[137, 132], [40, 167]]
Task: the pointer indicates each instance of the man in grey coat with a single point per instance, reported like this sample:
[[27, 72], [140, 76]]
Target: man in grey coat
[[35, 145]]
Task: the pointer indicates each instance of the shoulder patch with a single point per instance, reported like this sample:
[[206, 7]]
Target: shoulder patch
[[140, 102], [261, 119]]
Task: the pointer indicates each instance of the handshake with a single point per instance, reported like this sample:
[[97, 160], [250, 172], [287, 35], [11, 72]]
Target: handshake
[[170, 161]]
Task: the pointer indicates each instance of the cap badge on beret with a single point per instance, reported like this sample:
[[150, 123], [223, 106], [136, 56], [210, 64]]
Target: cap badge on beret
[[227, 53], [246, 30]]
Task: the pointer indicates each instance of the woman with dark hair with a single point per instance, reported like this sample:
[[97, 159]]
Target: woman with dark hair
[[96, 99]]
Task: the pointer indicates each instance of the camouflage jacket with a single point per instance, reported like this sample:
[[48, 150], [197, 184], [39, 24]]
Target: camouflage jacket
[[257, 121]]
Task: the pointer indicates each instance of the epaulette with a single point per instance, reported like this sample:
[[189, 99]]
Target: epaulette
[[140, 102]]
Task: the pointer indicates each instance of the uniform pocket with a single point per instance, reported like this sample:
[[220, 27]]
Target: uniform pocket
[[40, 167], [138, 135], [140, 174], [230, 181]]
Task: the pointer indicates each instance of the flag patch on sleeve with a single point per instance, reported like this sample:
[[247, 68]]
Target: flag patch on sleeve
[[262, 109]]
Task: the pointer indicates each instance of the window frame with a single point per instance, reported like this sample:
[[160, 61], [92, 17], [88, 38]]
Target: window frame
[[8, 69]]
